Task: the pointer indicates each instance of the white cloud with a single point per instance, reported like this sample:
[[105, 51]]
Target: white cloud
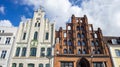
[[101, 13], [5, 23], [2, 9]]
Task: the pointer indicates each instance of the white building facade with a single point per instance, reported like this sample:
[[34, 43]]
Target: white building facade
[[7, 38], [34, 45]]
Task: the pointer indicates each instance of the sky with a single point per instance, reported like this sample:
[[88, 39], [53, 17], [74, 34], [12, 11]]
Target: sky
[[101, 13]]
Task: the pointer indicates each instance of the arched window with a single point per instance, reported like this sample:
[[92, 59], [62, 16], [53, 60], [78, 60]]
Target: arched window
[[31, 65], [49, 51], [47, 65], [70, 43], [20, 65], [35, 35], [17, 51], [79, 43], [78, 35], [84, 51], [14, 65], [24, 51], [33, 51], [97, 43], [41, 65], [92, 43], [42, 51], [79, 51], [83, 43], [65, 51], [83, 35]]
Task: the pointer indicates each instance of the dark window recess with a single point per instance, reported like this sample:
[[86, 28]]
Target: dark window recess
[[67, 64], [24, 36], [42, 52], [17, 51], [3, 54], [24, 51], [35, 24], [47, 36], [35, 35], [38, 24], [65, 51], [33, 51], [99, 64], [49, 51]]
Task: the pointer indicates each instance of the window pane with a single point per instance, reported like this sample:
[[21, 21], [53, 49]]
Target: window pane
[[33, 51], [47, 65], [24, 51], [17, 51], [49, 51], [20, 65], [24, 36], [35, 35], [13, 64], [40, 65], [47, 36], [30, 65], [42, 52]]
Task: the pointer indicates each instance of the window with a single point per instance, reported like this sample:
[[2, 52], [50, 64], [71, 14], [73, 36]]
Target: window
[[70, 51], [83, 43], [14, 65], [47, 65], [79, 51], [69, 28], [98, 64], [35, 35], [33, 51], [114, 41], [67, 64], [24, 51], [38, 24], [17, 51], [30, 65], [117, 52], [47, 36], [35, 24], [98, 51], [70, 43], [78, 35], [78, 28], [0, 38], [93, 51], [82, 28], [7, 40], [40, 65], [83, 35], [92, 43], [97, 43], [65, 51], [20, 65], [84, 51], [49, 51], [3, 54], [24, 36], [79, 43], [43, 52]]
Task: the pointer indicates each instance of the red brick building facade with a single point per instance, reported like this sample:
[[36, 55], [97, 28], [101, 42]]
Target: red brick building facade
[[80, 46]]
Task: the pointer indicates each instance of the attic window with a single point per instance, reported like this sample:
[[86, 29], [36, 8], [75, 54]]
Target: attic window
[[114, 41]]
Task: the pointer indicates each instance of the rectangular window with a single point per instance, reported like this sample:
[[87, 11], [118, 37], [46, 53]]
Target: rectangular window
[[117, 52], [47, 36], [24, 36], [17, 51], [3, 54], [33, 51], [0, 38], [7, 40], [67, 64], [24, 51], [42, 52], [99, 64]]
